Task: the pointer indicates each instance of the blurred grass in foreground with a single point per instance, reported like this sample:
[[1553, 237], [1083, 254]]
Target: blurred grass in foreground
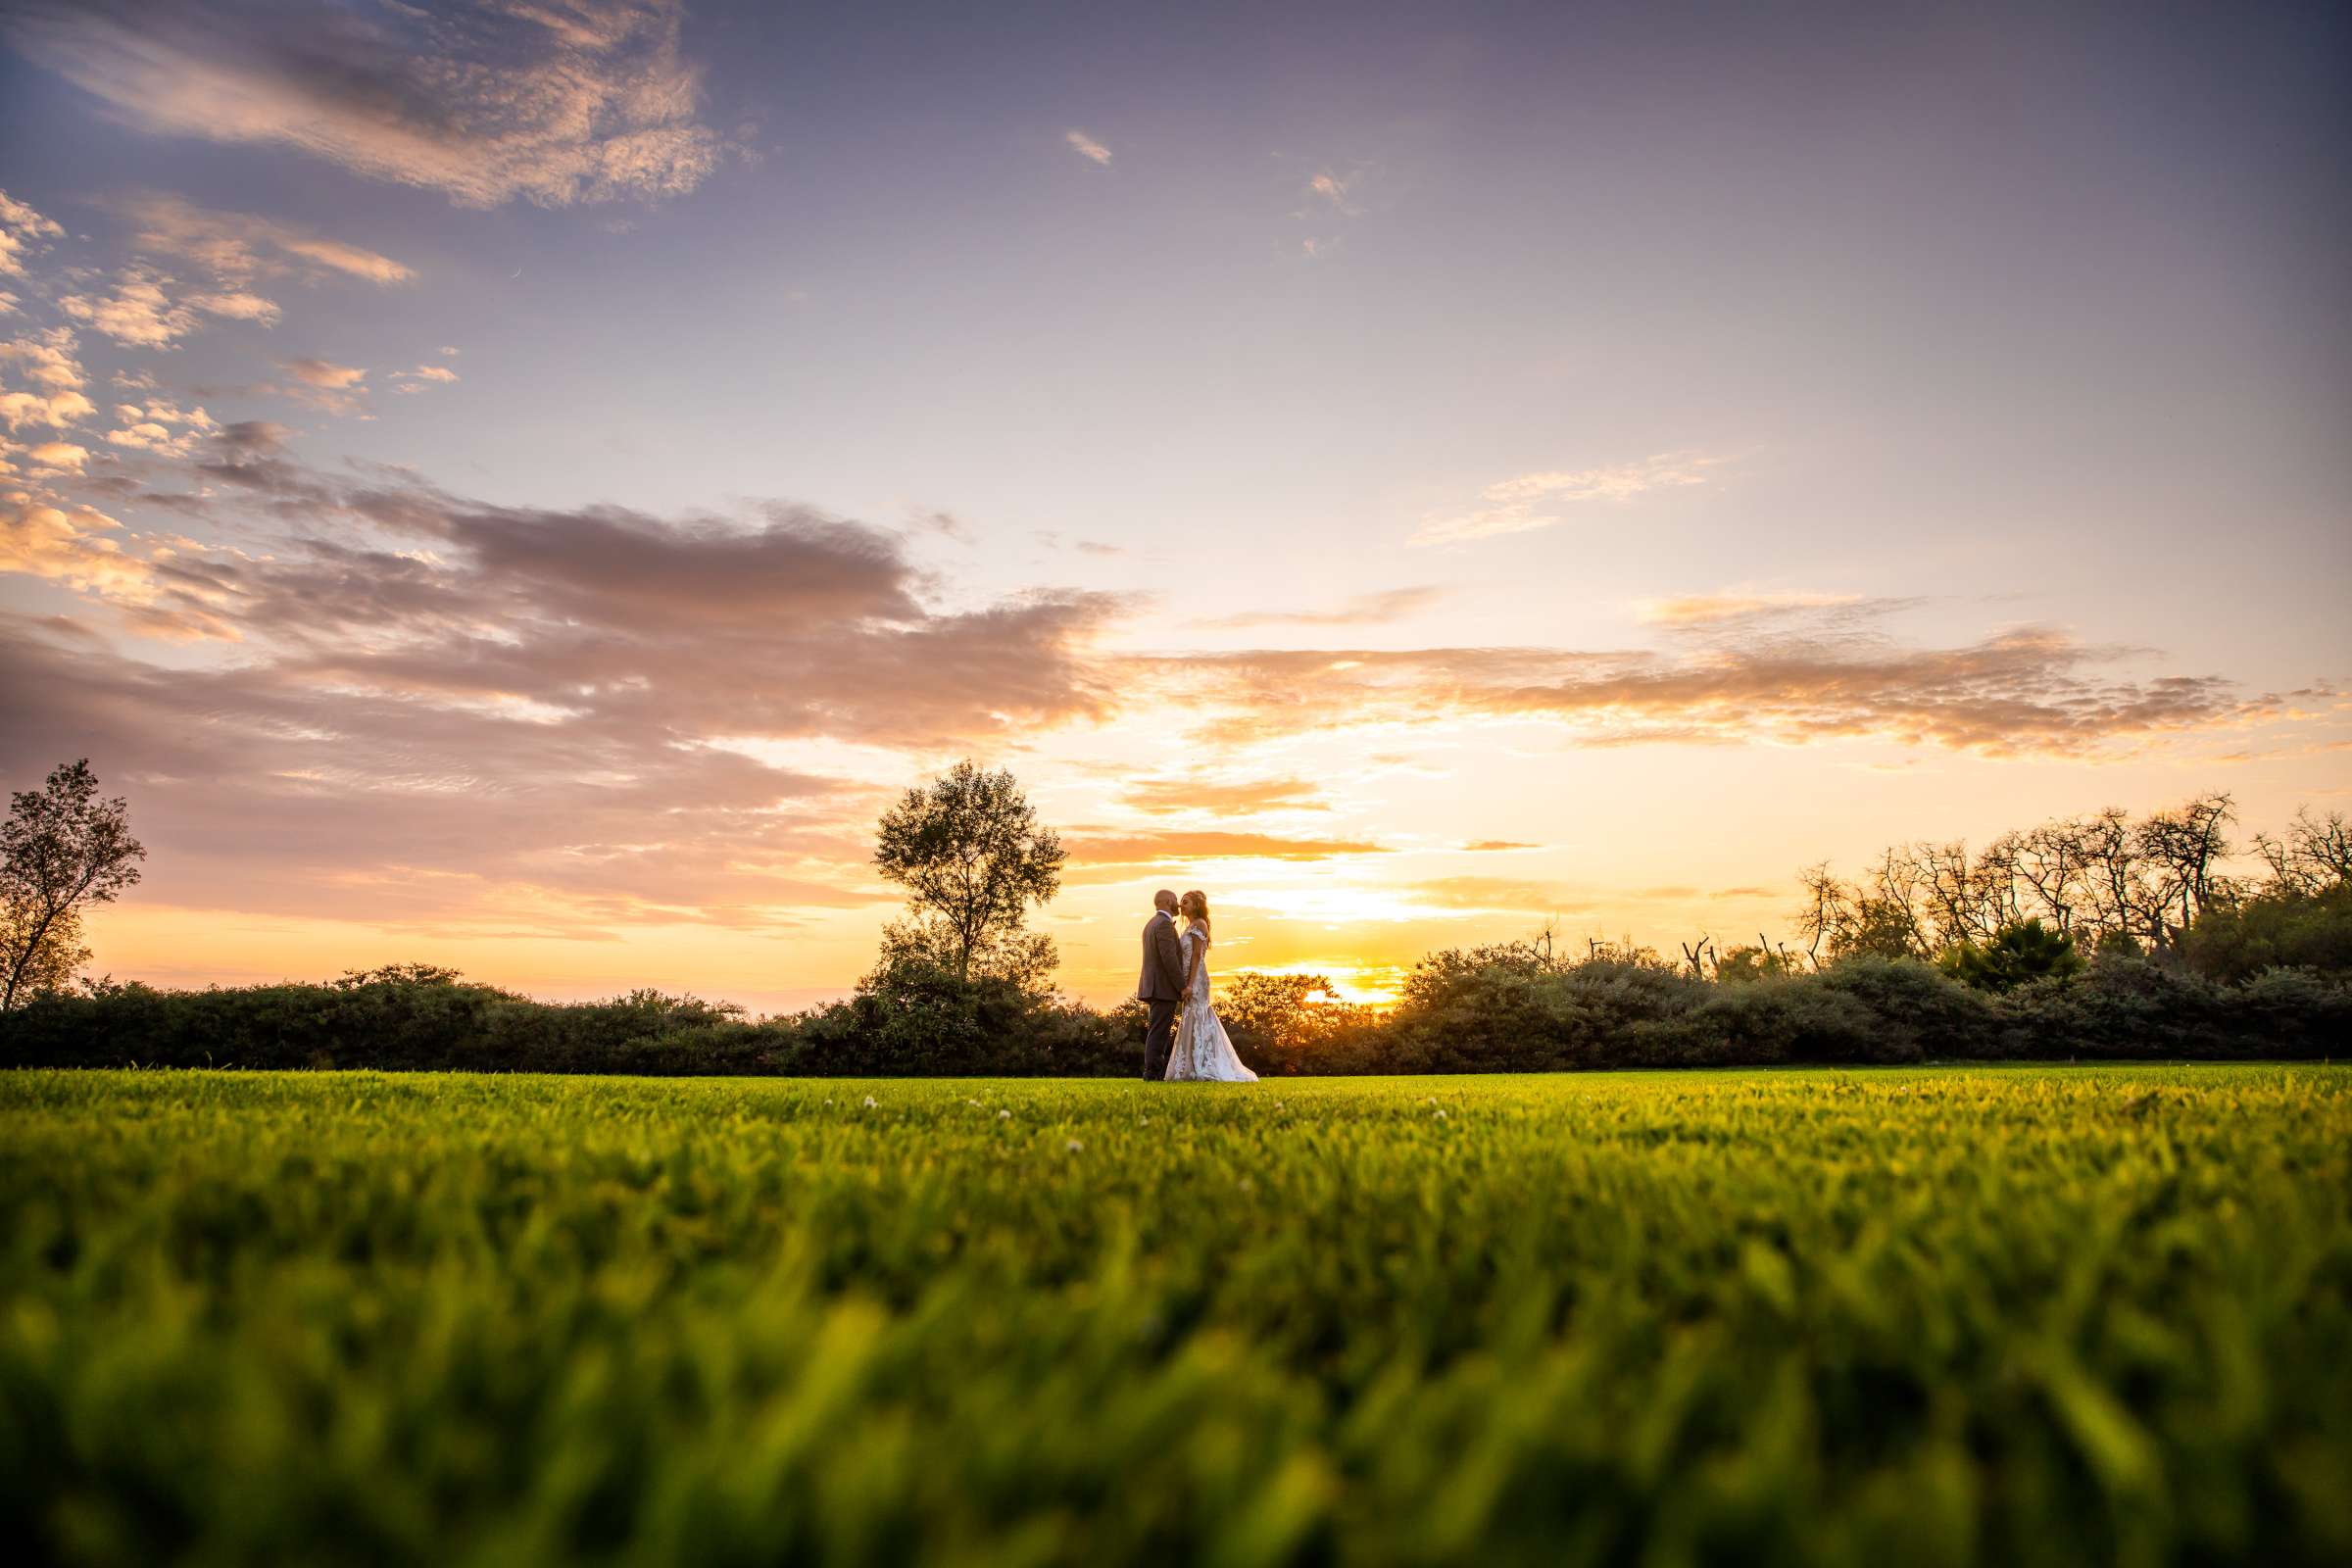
[[1918, 1316]]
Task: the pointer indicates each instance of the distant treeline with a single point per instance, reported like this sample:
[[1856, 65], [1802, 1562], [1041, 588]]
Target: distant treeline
[[1517, 1008], [2110, 940]]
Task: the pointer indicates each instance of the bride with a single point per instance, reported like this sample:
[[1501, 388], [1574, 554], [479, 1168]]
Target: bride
[[1202, 1051]]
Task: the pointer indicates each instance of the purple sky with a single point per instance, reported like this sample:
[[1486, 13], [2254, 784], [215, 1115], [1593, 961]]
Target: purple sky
[[521, 485]]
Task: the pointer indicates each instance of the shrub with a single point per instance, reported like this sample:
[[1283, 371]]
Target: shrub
[[1920, 1011], [2018, 953], [2122, 1008], [2298, 1012], [1507, 1009], [915, 1019], [1799, 1022], [2283, 928], [1284, 1026], [1513, 1008]]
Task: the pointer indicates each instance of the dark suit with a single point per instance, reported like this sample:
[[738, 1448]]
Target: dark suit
[[1159, 989]]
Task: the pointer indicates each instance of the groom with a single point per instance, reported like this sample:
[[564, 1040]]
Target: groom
[[1162, 982]]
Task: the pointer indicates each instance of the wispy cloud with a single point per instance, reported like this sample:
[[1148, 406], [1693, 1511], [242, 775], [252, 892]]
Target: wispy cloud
[[237, 248], [324, 384], [20, 230], [141, 313], [1527, 501], [1085, 146], [574, 677], [489, 101], [53, 378], [1161, 849], [325, 373], [1229, 797], [424, 376], [1331, 200], [2023, 691], [57, 458], [158, 426], [1488, 895], [468, 711], [1333, 190], [72, 544], [1708, 610], [1364, 609], [137, 313], [237, 304]]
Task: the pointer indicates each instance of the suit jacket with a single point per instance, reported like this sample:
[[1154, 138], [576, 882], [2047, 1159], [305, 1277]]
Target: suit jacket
[[1163, 961]]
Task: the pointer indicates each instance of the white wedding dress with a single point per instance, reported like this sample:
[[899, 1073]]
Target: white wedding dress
[[1203, 1052]]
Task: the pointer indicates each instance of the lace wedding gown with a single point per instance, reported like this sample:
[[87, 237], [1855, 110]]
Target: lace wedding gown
[[1203, 1049]]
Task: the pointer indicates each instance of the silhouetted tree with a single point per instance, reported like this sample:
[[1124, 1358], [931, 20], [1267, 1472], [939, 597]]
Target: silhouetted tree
[[1024, 958], [2120, 897], [2313, 855], [2180, 847], [972, 859], [50, 959], [2113, 883], [62, 850], [1880, 919], [2050, 863]]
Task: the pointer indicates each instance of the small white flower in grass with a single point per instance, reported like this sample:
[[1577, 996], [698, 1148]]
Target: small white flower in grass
[[1073, 1145], [869, 1102], [1441, 1116], [1003, 1115]]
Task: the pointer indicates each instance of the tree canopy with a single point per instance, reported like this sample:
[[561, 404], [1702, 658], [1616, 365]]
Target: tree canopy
[[972, 857], [62, 850]]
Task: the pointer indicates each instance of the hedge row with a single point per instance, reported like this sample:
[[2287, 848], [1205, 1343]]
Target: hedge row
[[1491, 1011]]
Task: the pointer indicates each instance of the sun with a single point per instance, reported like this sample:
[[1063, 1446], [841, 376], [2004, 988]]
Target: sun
[[1364, 985]]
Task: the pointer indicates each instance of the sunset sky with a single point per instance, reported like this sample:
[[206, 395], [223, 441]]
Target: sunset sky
[[522, 486]]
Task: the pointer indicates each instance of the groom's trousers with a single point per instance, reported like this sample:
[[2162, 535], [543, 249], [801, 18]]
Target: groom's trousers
[[1159, 1038]]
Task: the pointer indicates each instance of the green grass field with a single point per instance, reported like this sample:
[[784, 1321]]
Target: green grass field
[[1900, 1316]]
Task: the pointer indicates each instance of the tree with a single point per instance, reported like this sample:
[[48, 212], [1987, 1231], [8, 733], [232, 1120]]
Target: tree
[[2012, 955], [1964, 898], [972, 859], [2116, 881], [1024, 960], [1889, 913], [1853, 921], [1828, 912], [2313, 855], [2050, 862], [2182, 847], [62, 850], [2107, 880], [51, 958], [398, 974]]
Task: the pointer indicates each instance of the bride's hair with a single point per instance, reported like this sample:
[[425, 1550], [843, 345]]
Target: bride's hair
[[1195, 906]]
